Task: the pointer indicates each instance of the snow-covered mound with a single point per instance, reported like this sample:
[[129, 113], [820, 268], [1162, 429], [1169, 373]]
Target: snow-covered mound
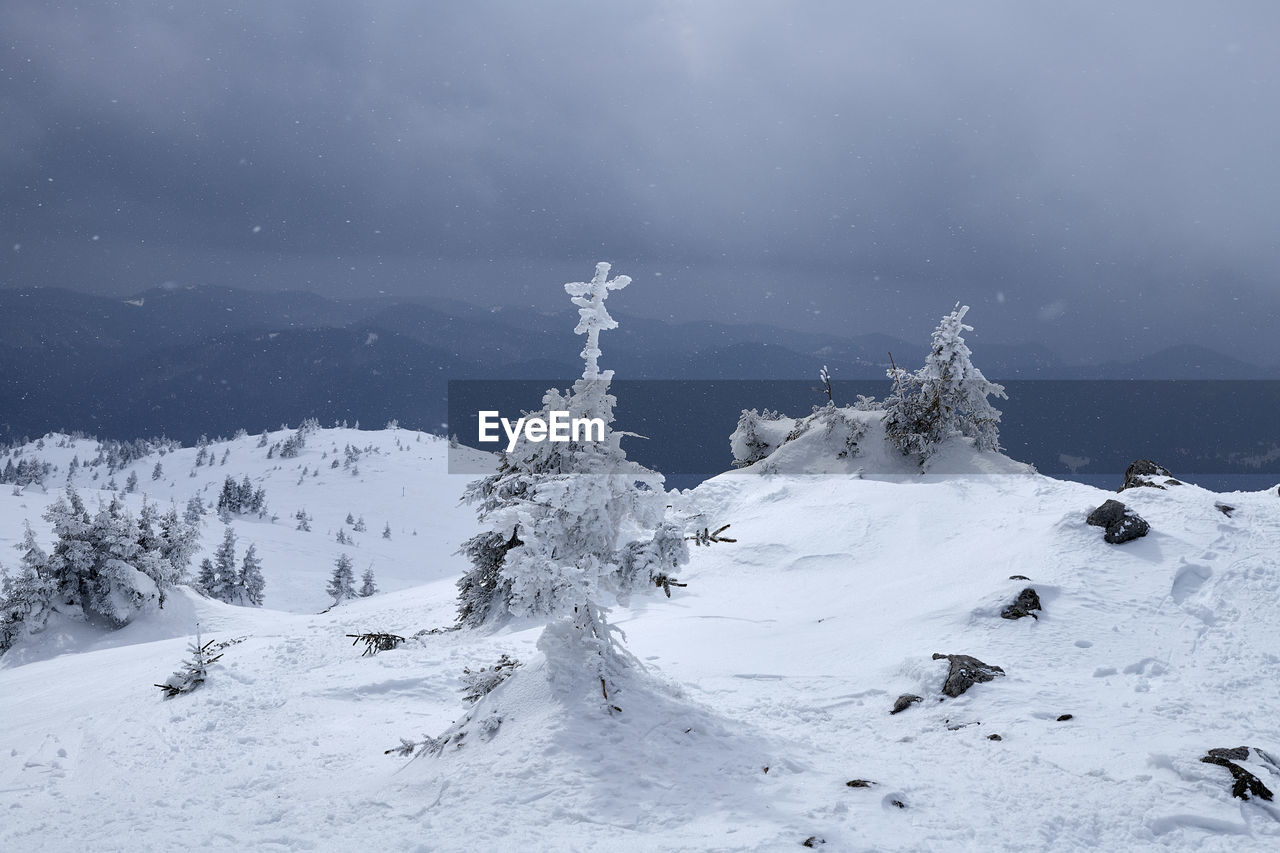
[[786, 651], [849, 441]]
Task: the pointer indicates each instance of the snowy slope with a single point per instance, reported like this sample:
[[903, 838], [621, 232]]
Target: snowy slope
[[786, 651]]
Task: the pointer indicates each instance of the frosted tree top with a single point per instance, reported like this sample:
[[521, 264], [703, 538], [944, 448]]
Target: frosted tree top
[[590, 297]]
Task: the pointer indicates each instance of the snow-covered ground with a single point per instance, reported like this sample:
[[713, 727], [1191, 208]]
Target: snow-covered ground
[[768, 687]]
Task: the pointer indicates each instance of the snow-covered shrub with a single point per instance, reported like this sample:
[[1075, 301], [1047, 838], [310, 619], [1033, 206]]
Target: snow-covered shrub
[[194, 670], [946, 397], [757, 435], [482, 681]]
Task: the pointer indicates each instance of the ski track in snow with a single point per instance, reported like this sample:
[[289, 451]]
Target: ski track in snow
[[786, 650]]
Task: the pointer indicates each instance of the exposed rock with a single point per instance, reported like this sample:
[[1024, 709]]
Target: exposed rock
[[899, 803], [904, 702], [1026, 601], [1144, 472], [1244, 784], [1131, 527], [1240, 753], [1107, 514], [1122, 524], [994, 737], [859, 783], [1019, 578], [1225, 509], [813, 841], [1065, 717], [965, 672]]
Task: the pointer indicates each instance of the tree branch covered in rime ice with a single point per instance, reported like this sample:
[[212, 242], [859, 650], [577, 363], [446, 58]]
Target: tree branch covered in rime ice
[[593, 318]]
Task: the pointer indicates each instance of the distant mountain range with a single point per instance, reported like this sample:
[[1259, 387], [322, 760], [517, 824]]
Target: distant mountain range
[[186, 361]]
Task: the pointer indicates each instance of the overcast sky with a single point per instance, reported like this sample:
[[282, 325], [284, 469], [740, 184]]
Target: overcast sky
[[1099, 177]]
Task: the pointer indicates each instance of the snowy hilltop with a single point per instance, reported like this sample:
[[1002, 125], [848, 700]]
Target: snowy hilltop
[[904, 640]]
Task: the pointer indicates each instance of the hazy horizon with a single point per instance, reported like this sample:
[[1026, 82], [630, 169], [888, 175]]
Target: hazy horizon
[[1096, 179]]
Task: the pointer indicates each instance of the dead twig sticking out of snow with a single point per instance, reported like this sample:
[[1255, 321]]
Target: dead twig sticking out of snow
[[377, 642], [706, 536]]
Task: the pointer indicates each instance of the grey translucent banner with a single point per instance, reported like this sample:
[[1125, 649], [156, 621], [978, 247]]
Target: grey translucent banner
[[1221, 434]]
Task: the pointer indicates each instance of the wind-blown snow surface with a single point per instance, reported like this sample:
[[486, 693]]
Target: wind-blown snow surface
[[786, 651]]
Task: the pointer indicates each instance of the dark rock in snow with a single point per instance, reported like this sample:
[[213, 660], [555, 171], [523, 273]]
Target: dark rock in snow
[[859, 783], [994, 737], [1026, 601], [904, 702], [965, 672], [1019, 578], [1225, 509], [1244, 784], [1108, 514], [1144, 472], [1122, 523], [813, 841], [1066, 717], [1131, 527]]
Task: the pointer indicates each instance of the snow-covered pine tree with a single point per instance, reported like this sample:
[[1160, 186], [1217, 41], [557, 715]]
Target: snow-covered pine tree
[[194, 513], [368, 586], [947, 396], [556, 512], [207, 578], [250, 581], [179, 541], [152, 559], [27, 598], [342, 583], [226, 584]]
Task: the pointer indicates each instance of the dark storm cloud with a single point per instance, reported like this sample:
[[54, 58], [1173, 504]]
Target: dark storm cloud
[[1097, 176]]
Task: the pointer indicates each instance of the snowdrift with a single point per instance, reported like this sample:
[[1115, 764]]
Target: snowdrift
[[786, 651]]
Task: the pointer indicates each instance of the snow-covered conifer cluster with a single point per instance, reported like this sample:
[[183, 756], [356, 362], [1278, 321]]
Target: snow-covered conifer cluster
[[220, 578], [104, 567], [241, 498]]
